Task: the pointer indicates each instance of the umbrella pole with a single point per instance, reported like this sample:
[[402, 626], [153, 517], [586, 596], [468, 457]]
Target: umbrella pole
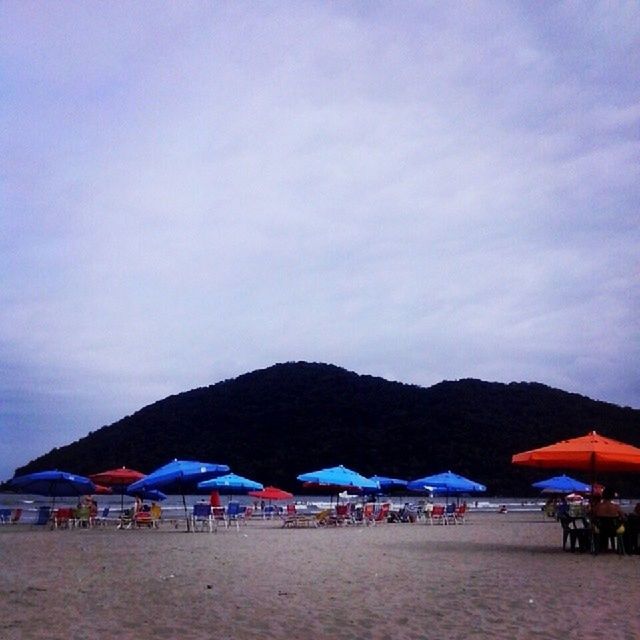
[[186, 513]]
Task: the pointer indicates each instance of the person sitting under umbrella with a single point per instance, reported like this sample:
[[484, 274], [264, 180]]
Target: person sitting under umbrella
[[608, 519], [605, 508]]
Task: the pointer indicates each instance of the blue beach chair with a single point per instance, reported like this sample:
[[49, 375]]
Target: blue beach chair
[[43, 517]]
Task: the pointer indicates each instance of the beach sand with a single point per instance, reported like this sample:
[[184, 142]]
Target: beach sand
[[498, 576]]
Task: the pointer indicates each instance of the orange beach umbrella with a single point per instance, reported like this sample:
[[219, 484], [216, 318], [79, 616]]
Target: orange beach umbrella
[[593, 453]]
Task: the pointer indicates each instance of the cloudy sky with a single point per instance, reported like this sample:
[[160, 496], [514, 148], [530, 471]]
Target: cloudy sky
[[416, 190]]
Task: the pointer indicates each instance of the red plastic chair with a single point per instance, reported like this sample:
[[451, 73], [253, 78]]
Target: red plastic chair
[[382, 514], [438, 514]]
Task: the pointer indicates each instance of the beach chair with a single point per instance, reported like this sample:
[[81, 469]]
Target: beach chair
[[269, 511], [459, 513], [16, 514], [218, 515], [63, 518], [103, 517], [43, 516], [293, 519], [322, 518], [143, 519], [5, 516], [125, 521], [368, 513], [246, 514], [450, 513], [382, 514], [576, 532], [438, 514], [202, 516], [608, 531], [234, 514], [289, 516], [343, 515], [299, 520], [156, 514], [82, 517]]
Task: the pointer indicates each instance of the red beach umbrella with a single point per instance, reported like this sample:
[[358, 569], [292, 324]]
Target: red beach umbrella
[[117, 477], [271, 493], [120, 478]]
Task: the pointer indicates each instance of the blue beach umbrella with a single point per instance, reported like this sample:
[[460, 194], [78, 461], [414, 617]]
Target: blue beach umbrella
[[387, 483], [339, 477], [562, 484], [148, 494], [230, 483], [179, 476], [446, 482], [53, 484]]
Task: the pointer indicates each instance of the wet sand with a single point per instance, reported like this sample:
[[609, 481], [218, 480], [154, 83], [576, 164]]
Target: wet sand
[[498, 576]]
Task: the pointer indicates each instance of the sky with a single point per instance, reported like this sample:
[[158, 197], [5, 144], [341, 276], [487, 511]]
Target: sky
[[421, 191]]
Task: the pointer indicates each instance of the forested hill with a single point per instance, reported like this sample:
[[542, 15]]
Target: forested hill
[[272, 424]]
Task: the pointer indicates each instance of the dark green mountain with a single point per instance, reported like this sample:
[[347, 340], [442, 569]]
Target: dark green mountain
[[272, 424]]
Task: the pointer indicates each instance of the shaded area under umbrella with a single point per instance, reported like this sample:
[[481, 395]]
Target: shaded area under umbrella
[[53, 484], [180, 476]]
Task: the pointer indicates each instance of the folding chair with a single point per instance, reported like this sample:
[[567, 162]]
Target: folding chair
[[202, 516], [44, 516], [438, 514], [218, 515], [234, 514]]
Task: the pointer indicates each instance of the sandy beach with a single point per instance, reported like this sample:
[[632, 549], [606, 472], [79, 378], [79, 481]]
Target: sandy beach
[[498, 576]]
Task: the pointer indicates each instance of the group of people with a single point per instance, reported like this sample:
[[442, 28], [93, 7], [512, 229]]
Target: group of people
[[610, 525], [140, 513], [86, 511]]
